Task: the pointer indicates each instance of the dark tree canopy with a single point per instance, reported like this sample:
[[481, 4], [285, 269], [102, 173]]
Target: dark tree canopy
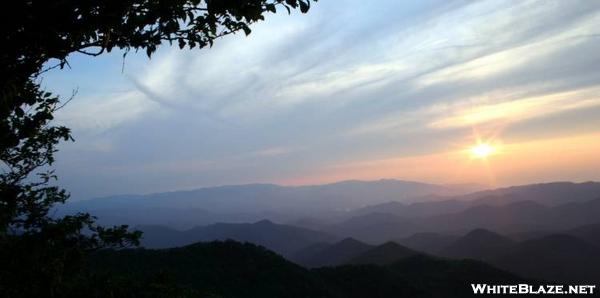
[[33, 32], [42, 255]]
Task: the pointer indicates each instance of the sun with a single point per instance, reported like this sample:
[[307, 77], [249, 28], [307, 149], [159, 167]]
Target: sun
[[482, 150]]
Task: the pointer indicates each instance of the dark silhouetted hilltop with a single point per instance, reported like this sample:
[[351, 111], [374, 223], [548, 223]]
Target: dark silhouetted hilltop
[[413, 276], [560, 258], [431, 243], [215, 269], [283, 239], [479, 244], [373, 227], [383, 254], [231, 269], [589, 233], [335, 254]]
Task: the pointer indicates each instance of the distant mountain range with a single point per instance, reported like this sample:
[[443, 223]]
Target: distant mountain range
[[554, 258], [253, 202], [479, 244], [387, 253], [322, 254], [542, 231], [589, 233], [283, 239], [373, 227], [557, 257], [547, 194], [326, 207], [431, 243], [352, 252], [510, 218]]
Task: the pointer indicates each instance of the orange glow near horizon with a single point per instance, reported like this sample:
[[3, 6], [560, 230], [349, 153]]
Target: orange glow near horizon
[[573, 158]]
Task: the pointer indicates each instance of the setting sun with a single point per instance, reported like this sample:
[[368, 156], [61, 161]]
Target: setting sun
[[482, 150]]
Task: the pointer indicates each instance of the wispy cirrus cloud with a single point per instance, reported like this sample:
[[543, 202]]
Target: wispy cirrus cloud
[[101, 112], [517, 110], [351, 81]]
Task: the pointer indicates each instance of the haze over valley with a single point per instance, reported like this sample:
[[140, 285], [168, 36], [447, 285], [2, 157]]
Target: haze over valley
[[380, 222]]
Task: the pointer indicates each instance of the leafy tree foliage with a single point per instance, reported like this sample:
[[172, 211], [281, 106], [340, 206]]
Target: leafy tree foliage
[[41, 255], [213, 269], [231, 269]]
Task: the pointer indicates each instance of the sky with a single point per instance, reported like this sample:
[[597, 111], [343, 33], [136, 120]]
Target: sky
[[351, 90]]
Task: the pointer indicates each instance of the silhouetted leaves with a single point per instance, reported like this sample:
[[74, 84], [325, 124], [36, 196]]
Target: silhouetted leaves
[[41, 255]]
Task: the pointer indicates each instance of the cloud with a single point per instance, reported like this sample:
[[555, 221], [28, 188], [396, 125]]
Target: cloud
[[99, 113], [348, 82], [519, 109], [274, 151]]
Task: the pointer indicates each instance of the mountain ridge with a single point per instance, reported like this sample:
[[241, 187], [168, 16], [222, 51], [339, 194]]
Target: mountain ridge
[[283, 239]]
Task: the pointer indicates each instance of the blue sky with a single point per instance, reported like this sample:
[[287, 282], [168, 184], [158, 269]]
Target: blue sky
[[353, 89]]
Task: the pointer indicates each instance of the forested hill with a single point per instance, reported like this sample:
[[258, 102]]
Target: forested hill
[[234, 269]]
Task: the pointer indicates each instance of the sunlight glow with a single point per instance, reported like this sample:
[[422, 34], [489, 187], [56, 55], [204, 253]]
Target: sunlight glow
[[482, 150]]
